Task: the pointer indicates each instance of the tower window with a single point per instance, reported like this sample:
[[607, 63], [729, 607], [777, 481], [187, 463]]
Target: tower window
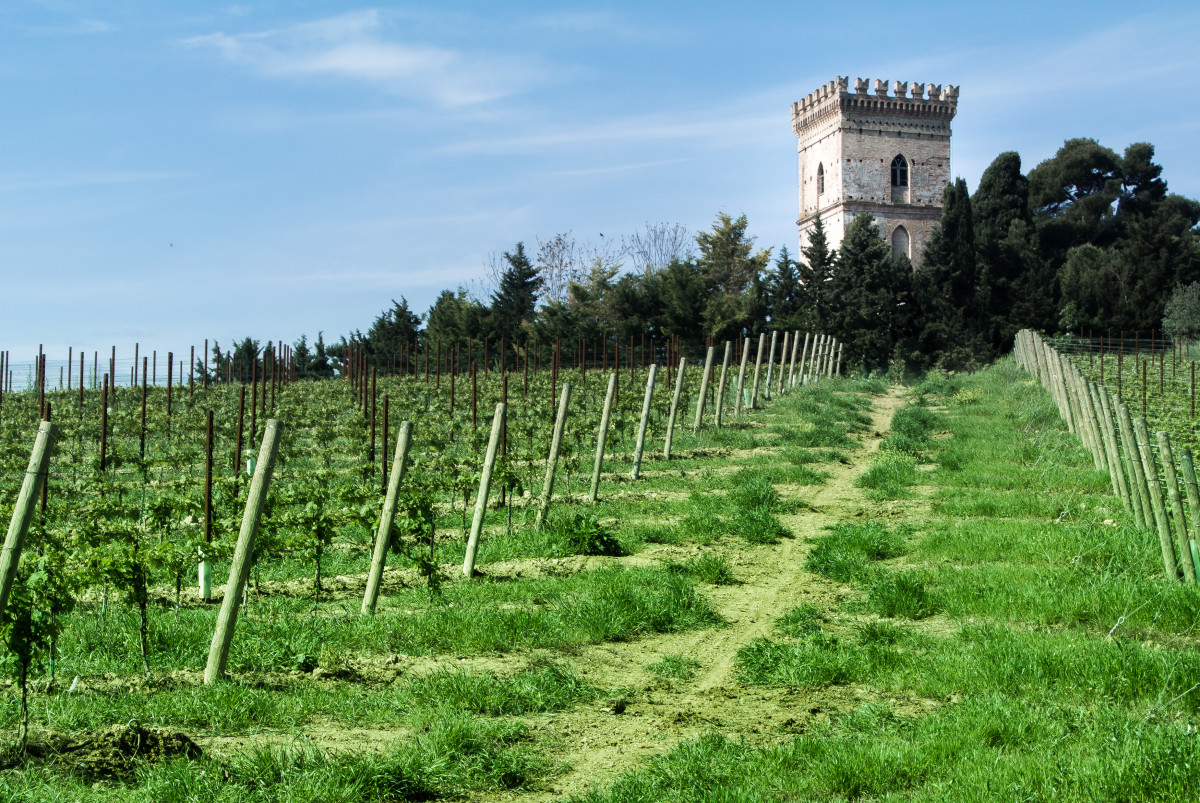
[[899, 171], [900, 243], [820, 179]]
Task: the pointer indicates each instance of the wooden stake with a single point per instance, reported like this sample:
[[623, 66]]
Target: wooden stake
[[674, 409], [602, 436], [1181, 533], [1156, 501], [560, 423], [762, 342], [708, 361], [243, 553], [485, 485], [641, 437], [27, 500], [383, 535]]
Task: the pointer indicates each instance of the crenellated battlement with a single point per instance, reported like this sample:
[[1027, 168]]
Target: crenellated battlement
[[901, 96], [875, 147]]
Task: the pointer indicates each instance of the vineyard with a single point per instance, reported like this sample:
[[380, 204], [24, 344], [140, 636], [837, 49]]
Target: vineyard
[[839, 591]]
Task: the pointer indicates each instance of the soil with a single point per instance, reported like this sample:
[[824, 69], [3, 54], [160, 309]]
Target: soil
[[110, 754]]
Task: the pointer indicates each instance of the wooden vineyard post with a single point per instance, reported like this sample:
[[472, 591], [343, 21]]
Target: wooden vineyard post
[[383, 468], [383, 536], [1188, 470], [239, 570], [792, 365], [1139, 495], [741, 383], [782, 361], [602, 436], [560, 423], [205, 568], [170, 377], [1173, 496], [1114, 452], [1157, 508], [641, 437], [142, 438], [27, 501], [104, 425], [674, 409], [770, 364], [803, 357], [237, 443], [762, 342], [721, 385], [485, 485], [708, 361]]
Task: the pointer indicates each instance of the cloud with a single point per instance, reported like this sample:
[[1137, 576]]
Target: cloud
[[354, 47], [719, 130]]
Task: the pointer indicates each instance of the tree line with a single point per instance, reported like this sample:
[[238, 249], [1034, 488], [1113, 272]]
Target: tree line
[[1089, 239]]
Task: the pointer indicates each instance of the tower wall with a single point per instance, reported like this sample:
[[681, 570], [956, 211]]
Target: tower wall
[[853, 137]]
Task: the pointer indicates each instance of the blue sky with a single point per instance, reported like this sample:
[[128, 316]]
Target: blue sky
[[182, 170]]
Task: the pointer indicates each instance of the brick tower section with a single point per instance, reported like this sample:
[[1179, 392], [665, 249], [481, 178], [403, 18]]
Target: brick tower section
[[887, 154]]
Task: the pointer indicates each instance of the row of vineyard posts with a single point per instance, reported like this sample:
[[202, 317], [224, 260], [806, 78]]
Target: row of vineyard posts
[[1152, 478], [101, 472]]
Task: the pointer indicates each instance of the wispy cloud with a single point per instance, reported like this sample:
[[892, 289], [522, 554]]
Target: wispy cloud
[[596, 171], [355, 47], [77, 27], [718, 130], [603, 24]]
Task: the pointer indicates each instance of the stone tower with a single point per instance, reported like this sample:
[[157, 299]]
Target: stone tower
[[874, 152]]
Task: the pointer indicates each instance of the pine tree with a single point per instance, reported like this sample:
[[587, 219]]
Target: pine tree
[[784, 293], [815, 273], [515, 300], [874, 296]]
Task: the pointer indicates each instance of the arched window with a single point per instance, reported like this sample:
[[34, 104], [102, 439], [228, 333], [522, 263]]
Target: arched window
[[820, 179], [900, 243], [899, 171]]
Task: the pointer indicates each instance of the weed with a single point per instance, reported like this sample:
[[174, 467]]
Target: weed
[[900, 594], [801, 622]]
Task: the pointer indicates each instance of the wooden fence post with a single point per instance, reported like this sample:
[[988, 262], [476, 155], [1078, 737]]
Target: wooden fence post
[[218, 652], [1133, 464], [1188, 470], [383, 535]]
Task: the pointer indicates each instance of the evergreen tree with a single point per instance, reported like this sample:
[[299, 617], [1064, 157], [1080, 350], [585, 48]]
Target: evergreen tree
[[392, 329], [454, 317], [784, 293], [320, 367], [515, 300], [874, 296], [301, 356], [952, 327], [816, 272], [731, 272]]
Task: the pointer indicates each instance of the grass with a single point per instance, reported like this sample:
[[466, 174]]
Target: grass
[[675, 667], [1064, 667], [846, 553]]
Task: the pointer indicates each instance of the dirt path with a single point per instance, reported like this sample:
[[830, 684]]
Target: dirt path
[[646, 715], [603, 741]]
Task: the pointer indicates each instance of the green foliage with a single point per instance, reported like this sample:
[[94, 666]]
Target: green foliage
[[675, 667], [1181, 315], [708, 568]]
